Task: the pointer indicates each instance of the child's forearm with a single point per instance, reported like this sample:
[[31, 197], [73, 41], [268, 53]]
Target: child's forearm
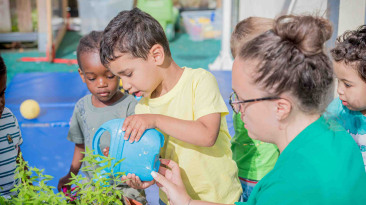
[[76, 160], [202, 132]]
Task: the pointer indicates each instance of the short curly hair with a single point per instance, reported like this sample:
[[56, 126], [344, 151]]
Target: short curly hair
[[89, 43], [134, 32], [351, 49]]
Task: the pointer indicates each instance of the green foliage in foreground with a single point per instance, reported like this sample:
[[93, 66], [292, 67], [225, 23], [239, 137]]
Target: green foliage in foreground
[[101, 189]]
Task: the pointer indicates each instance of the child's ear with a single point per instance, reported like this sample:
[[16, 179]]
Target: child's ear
[[81, 75], [283, 108], [157, 53]]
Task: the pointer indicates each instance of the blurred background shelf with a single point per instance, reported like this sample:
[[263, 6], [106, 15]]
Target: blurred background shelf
[[44, 21]]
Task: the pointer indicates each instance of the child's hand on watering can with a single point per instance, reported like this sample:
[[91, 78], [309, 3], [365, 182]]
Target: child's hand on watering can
[[135, 125]]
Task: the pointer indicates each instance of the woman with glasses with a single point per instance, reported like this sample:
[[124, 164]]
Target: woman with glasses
[[281, 81]]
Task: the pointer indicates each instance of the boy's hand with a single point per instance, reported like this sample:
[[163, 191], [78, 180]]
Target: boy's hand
[[135, 125], [63, 181], [106, 151], [134, 181]]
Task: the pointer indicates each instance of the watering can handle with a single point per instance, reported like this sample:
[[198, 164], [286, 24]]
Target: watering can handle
[[116, 145], [96, 141]]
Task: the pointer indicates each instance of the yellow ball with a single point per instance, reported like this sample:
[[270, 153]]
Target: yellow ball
[[29, 109]]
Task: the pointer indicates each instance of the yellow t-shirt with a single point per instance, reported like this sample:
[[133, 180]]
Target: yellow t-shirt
[[208, 173]]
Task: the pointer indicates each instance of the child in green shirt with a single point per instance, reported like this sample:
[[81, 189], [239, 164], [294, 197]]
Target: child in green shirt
[[254, 158]]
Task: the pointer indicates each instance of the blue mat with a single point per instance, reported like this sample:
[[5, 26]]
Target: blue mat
[[44, 139], [45, 145]]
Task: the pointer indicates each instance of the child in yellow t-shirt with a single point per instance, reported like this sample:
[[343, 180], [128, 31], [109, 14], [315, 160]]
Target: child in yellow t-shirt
[[184, 103]]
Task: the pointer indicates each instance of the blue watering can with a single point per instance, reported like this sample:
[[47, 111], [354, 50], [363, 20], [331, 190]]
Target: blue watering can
[[140, 158]]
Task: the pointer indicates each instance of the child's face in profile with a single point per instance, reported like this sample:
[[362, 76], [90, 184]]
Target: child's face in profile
[[351, 88], [102, 84], [139, 76], [2, 93]]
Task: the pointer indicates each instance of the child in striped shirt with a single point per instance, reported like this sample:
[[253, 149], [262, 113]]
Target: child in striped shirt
[[10, 139]]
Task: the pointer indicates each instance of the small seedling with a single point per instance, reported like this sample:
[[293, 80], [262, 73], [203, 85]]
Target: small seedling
[[101, 189]]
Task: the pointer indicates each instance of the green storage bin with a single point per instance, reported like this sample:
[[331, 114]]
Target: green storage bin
[[163, 11]]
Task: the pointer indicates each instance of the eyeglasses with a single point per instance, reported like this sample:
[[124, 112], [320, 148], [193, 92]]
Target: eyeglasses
[[236, 104]]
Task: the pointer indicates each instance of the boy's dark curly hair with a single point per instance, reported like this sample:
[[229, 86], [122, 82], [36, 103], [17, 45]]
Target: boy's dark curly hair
[[134, 32], [351, 49], [89, 43]]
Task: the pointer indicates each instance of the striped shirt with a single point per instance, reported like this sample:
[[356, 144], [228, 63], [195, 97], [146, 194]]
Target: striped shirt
[[10, 139]]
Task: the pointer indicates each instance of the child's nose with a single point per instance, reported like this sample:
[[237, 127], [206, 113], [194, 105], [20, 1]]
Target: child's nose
[[102, 82], [339, 89], [126, 85]]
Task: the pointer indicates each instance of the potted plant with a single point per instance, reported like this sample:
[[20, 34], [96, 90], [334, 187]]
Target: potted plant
[[101, 189]]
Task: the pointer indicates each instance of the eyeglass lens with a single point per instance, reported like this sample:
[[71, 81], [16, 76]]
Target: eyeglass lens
[[236, 106]]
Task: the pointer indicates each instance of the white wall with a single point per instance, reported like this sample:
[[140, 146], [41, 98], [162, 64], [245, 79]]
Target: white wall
[[351, 15], [261, 8], [274, 8]]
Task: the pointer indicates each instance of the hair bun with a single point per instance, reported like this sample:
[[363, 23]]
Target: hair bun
[[307, 33]]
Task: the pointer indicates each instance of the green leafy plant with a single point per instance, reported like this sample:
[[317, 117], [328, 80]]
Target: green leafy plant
[[101, 189]]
